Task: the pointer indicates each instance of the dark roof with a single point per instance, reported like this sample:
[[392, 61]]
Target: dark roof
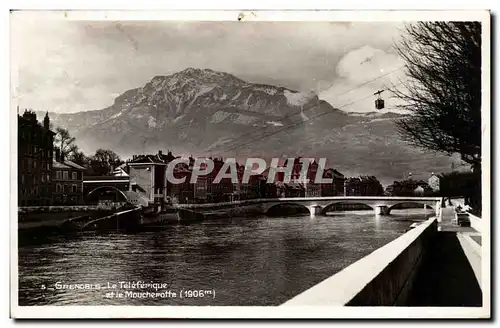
[[337, 172], [158, 158], [59, 165], [147, 159], [74, 165]]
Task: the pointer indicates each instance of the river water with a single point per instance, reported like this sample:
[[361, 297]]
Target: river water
[[237, 261]]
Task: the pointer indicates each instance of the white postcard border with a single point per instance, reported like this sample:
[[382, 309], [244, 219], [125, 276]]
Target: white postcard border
[[265, 312]]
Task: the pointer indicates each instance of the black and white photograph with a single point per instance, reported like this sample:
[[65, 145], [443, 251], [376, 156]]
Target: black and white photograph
[[206, 164]]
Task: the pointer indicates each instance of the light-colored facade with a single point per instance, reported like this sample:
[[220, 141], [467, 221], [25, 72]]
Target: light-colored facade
[[67, 182]]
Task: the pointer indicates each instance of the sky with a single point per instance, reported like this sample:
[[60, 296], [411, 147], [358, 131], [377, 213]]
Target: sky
[[69, 66]]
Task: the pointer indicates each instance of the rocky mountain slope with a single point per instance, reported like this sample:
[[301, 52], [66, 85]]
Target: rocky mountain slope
[[203, 112]]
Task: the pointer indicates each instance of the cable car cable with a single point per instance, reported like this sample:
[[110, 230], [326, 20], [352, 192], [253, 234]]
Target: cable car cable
[[296, 124], [311, 107]]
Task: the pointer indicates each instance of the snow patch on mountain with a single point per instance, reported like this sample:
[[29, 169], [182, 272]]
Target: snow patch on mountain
[[244, 119], [178, 118], [237, 95], [298, 98], [116, 115], [218, 143], [152, 122], [219, 116], [270, 91]]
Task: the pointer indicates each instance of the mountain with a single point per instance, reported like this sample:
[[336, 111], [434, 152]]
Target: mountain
[[204, 112]]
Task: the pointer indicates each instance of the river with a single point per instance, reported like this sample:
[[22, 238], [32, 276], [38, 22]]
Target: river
[[237, 261]]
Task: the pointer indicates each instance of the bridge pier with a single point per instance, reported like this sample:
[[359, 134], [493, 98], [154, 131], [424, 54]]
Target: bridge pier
[[382, 210], [315, 210]]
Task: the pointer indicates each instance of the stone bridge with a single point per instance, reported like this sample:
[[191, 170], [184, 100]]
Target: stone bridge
[[319, 205], [381, 205]]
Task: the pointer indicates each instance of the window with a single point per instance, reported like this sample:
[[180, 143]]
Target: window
[[34, 164], [65, 175], [73, 176], [58, 188], [58, 175], [22, 178], [43, 178], [73, 188], [48, 177], [48, 166]]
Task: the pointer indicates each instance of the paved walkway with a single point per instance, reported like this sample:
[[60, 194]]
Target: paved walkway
[[446, 224], [446, 277]]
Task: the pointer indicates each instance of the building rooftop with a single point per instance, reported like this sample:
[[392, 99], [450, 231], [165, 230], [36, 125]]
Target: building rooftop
[[74, 165], [159, 158], [147, 159], [59, 165]]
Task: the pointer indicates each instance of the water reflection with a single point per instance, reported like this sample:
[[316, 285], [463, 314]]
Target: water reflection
[[257, 261]]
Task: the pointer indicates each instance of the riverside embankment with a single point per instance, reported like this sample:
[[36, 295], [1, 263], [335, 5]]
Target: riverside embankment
[[35, 223]]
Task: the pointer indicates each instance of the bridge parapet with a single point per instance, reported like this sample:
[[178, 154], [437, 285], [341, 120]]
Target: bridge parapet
[[324, 202], [381, 205]]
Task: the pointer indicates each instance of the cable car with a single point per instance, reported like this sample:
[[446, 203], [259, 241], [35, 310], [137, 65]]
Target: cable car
[[379, 102]]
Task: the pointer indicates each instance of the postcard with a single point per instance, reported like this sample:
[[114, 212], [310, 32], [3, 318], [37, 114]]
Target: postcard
[[250, 164]]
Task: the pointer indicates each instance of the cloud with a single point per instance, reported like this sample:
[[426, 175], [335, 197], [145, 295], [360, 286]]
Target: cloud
[[362, 72], [69, 66]]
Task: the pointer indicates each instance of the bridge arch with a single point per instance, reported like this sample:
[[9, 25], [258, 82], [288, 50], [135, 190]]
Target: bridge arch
[[329, 206], [287, 208], [414, 204], [107, 188]]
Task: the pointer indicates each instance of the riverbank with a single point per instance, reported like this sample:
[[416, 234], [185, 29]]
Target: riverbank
[[40, 222]]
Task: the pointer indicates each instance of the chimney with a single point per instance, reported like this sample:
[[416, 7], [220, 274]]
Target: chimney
[[46, 121], [160, 152]]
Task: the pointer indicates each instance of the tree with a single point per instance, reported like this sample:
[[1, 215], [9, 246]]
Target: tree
[[443, 90], [408, 188], [363, 186], [79, 158], [103, 162], [65, 142]]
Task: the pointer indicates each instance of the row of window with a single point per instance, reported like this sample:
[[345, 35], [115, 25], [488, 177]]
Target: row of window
[[37, 150], [65, 175], [66, 188], [30, 163], [44, 178], [29, 134], [34, 191], [43, 190]]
